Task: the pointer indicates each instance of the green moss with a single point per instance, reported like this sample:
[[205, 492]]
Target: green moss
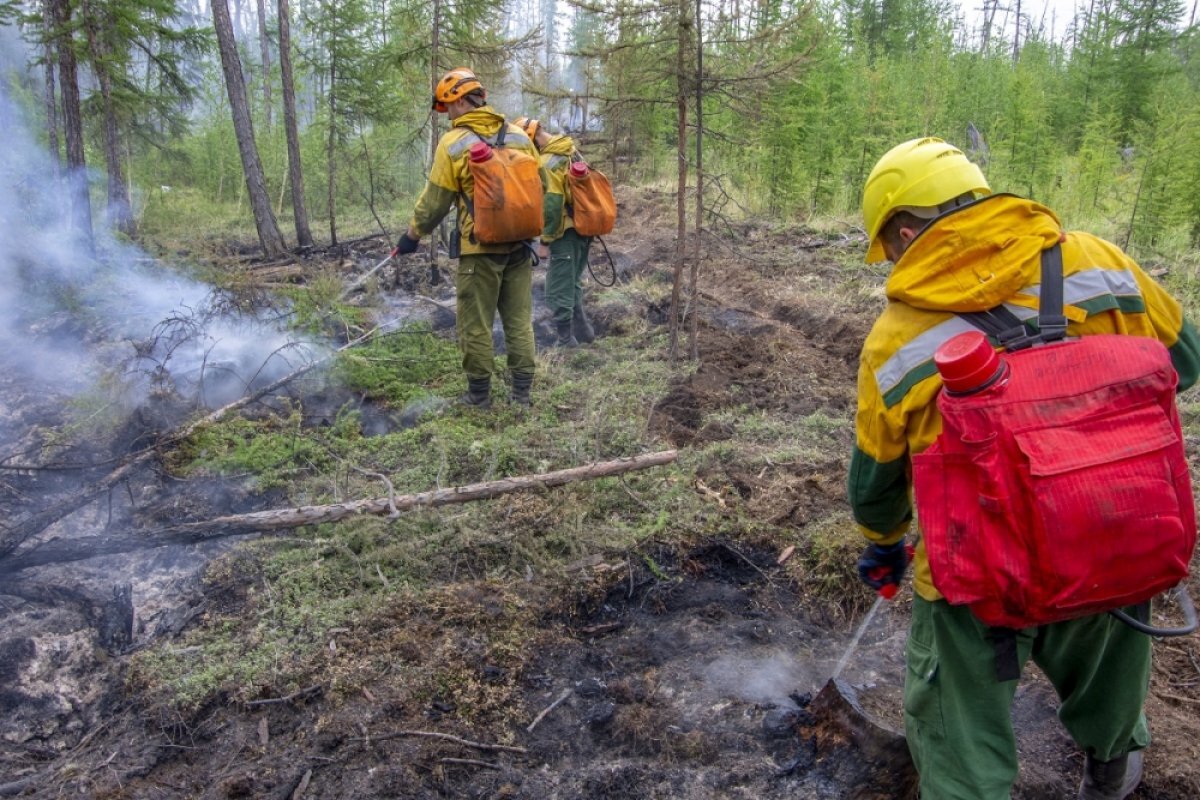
[[400, 367], [588, 408], [273, 451]]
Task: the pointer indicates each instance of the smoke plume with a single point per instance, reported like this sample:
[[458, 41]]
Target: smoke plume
[[70, 317]]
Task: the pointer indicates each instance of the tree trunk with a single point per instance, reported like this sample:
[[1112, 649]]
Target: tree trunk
[[1017, 35], [243, 127], [330, 150], [119, 211], [694, 277], [435, 276], [81, 204], [264, 43], [295, 172], [51, 105], [681, 185]]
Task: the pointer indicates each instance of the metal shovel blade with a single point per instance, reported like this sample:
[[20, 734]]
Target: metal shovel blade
[[854, 750], [868, 757]]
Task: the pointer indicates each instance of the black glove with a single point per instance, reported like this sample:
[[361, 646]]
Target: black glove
[[406, 245], [883, 564]]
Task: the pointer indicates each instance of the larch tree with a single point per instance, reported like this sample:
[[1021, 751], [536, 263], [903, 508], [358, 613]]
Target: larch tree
[[264, 47], [243, 127], [291, 129], [49, 100], [99, 28], [76, 166]]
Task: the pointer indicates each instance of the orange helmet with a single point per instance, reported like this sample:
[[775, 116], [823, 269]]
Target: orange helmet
[[529, 125], [455, 85]]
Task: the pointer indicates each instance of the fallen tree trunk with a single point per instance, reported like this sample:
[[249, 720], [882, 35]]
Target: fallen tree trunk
[[58, 551]]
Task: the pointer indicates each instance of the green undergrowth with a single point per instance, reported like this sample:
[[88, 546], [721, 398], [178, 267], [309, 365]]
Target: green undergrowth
[[427, 596], [289, 596]]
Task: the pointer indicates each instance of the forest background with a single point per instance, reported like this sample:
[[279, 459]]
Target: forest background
[[775, 108]]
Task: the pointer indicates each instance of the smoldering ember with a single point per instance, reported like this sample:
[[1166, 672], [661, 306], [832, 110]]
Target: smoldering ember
[[440, 399]]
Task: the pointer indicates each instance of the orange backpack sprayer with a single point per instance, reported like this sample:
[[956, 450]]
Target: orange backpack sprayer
[[507, 203], [593, 206]]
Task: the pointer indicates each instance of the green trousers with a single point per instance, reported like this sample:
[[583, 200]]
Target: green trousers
[[564, 276], [957, 715], [487, 283]]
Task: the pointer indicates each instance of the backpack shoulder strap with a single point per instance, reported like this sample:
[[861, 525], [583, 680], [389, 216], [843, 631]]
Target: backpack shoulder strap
[[1009, 331], [1052, 325]]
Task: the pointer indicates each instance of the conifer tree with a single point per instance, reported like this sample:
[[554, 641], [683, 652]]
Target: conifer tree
[[291, 128], [264, 217]]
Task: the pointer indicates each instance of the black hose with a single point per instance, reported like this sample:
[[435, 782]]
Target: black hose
[[1185, 604], [611, 264]]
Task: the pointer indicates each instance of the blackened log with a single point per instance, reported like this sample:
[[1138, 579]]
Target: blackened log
[[58, 551]]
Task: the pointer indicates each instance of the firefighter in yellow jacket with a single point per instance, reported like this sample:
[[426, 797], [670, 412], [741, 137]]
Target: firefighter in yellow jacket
[[957, 247], [568, 250], [490, 278]]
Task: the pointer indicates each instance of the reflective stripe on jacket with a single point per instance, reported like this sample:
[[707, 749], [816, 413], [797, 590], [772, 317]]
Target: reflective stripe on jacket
[[973, 259]]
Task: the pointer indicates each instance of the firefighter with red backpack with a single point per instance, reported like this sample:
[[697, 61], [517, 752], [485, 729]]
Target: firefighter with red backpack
[[489, 169], [569, 223], [983, 286]]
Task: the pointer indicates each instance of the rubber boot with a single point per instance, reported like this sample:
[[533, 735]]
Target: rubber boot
[[522, 383], [479, 393], [1111, 780], [581, 326], [565, 337]]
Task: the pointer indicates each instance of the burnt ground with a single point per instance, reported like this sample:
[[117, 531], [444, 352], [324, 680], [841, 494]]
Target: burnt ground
[[682, 672]]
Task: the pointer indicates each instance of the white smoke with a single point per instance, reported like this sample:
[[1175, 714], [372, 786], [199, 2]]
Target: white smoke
[[764, 678], [69, 318]]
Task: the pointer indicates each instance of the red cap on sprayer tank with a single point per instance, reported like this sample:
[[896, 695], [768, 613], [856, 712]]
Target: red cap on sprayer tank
[[578, 169], [480, 151], [967, 362]]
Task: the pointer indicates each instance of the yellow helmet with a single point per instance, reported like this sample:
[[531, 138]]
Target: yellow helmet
[[529, 125], [918, 174], [454, 85]]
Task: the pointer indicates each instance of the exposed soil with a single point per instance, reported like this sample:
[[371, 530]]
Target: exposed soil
[[667, 673]]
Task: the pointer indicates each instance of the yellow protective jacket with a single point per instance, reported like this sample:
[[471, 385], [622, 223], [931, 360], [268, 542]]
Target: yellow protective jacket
[[450, 177], [556, 160], [973, 259]]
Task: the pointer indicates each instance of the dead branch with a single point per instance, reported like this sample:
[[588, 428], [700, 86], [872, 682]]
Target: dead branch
[[447, 736], [302, 785], [57, 551], [369, 237], [742, 556], [474, 762], [561, 698], [446, 306], [286, 518], [297, 695]]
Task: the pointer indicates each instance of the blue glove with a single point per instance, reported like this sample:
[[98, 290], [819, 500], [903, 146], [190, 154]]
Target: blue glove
[[883, 564], [406, 245]]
